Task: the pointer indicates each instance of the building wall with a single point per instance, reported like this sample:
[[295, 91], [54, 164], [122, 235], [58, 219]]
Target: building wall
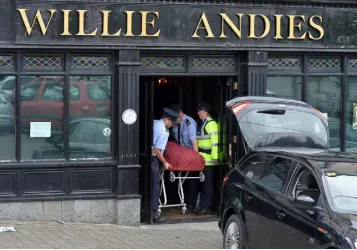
[[63, 73]]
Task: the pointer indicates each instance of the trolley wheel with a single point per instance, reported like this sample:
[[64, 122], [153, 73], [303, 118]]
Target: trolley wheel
[[202, 177], [184, 209], [172, 177]]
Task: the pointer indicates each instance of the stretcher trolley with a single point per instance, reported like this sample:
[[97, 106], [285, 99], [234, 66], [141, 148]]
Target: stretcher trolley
[[183, 161]]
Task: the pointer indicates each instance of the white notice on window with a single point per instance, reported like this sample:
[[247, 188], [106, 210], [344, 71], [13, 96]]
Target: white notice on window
[[40, 129]]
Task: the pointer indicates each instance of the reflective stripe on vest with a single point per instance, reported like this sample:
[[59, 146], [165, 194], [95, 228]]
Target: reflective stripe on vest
[[203, 136]]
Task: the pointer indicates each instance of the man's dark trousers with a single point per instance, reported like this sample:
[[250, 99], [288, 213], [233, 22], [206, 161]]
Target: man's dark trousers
[[192, 190], [208, 187], [155, 168]]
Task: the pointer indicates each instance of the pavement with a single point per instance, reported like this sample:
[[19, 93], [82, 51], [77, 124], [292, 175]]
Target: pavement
[[80, 235]]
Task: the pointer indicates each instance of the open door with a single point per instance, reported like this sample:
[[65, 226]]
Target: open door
[[278, 122], [145, 154], [226, 89]]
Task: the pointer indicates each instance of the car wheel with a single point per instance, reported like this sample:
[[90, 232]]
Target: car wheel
[[233, 237]]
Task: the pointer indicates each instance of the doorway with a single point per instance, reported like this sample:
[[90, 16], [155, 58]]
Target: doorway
[[157, 92]]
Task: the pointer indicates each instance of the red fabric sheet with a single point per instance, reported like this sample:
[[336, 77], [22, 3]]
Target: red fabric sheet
[[183, 159]]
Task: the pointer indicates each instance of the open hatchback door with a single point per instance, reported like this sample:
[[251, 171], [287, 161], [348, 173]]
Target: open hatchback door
[[279, 122]]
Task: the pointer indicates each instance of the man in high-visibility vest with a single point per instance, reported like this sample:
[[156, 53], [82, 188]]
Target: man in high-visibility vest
[[207, 139]]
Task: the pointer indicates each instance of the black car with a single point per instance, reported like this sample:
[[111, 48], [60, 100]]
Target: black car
[[289, 190]]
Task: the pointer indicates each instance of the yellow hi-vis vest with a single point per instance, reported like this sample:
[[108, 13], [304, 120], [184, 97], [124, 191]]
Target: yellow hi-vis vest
[[207, 140]]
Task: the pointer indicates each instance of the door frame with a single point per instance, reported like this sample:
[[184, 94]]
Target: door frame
[[147, 116]]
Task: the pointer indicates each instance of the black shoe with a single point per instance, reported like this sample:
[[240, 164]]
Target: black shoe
[[158, 219], [197, 209], [189, 208], [205, 212]]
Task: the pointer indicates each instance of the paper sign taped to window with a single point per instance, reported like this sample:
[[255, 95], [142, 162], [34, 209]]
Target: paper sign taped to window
[[40, 129]]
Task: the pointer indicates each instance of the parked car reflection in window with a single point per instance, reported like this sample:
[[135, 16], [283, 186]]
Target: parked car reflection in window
[[90, 102], [42, 100], [88, 138], [89, 116]]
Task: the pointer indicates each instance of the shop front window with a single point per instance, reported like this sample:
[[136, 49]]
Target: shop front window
[[63, 115], [90, 117], [7, 119], [351, 114], [284, 87], [324, 94], [42, 118]]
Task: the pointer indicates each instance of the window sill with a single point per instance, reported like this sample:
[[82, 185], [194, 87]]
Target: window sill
[[58, 163]]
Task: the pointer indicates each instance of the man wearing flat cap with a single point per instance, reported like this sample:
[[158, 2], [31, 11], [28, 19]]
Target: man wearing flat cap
[[160, 138], [185, 134], [207, 138]]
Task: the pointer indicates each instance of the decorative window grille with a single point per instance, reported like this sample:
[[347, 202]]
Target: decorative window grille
[[42, 62], [352, 63], [6, 62], [281, 63], [168, 62], [85, 62], [213, 62], [324, 63]]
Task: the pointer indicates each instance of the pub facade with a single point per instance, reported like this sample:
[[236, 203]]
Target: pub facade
[[81, 82]]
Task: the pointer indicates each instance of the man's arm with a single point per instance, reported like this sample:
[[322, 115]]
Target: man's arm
[[193, 136], [160, 156], [212, 130], [160, 147], [195, 145]]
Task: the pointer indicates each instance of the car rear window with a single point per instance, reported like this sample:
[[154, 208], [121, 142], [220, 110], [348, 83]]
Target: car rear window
[[97, 93], [284, 121]]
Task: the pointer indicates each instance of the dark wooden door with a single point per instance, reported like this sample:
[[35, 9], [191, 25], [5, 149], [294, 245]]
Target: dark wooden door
[[145, 142]]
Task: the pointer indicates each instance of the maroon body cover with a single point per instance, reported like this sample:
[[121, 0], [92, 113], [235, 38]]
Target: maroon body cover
[[183, 159]]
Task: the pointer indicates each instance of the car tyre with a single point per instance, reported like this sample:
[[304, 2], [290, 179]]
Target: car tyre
[[233, 236]]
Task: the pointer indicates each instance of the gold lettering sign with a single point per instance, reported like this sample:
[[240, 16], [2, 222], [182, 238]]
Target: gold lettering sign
[[293, 27], [106, 24], [206, 27], [144, 22], [237, 25], [38, 18]]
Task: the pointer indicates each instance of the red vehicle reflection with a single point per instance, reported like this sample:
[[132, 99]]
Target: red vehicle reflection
[[42, 100]]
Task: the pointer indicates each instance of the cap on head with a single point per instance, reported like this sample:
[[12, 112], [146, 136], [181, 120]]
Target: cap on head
[[175, 107], [170, 114], [204, 106]]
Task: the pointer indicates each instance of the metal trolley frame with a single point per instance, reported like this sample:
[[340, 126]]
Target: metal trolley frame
[[181, 179]]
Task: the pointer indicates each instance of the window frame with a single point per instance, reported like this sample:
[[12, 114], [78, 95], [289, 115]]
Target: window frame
[[240, 164], [18, 71], [285, 182], [342, 72], [273, 157], [293, 180]]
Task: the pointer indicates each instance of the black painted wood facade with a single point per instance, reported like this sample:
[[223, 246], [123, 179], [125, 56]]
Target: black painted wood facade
[[121, 177]]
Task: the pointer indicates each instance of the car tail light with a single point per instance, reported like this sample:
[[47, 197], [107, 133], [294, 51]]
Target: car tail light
[[225, 181], [239, 107], [319, 113]]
